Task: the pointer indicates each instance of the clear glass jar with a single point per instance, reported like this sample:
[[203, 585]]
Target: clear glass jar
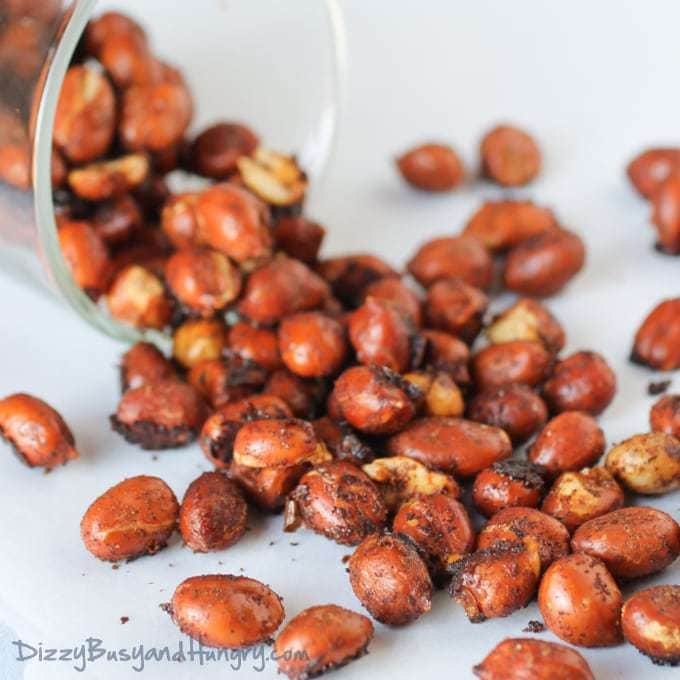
[[276, 65]]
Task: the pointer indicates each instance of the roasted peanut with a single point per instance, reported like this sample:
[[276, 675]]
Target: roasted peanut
[[320, 639], [220, 429], [445, 352], [85, 119], [135, 517], [657, 341], [312, 345], [336, 500], [580, 602], [453, 445], [577, 497], [143, 364], [149, 249], [213, 513], [432, 167], [543, 265], [525, 658], [350, 275], [439, 525], [455, 307], [441, 395], [515, 408], [501, 225], [116, 221], [107, 25], [299, 237], [179, 221], [375, 400], [390, 579], [647, 463], [404, 299], [507, 484], [267, 488], [280, 288], [303, 396], [104, 180], [581, 382], [203, 280], [37, 433], [128, 60], [138, 297], [154, 116], [259, 345], [650, 620], [497, 581], [401, 479], [277, 442], [233, 221], [651, 168], [664, 416], [519, 361], [86, 256], [632, 542], [521, 524], [380, 335], [462, 257], [160, 415], [276, 179], [568, 442], [221, 381], [342, 441], [226, 611], [509, 156], [527, 320], [198, 340], [215, 151], [666, 215]]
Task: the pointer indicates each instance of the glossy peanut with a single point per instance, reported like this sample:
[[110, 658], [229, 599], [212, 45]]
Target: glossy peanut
[[213, 513], [456, 307], [462, 257], [666, 215], [582, 381], [267, 488], [143, 364], [657, 341], [128, 60], [519, 361], [216, 150], [542, 266], [568, 442], [320, 639], [664, 416], [530, 321], [106, 25], [299, 237], [651, 621], [135, 517], [497, 581], [303, 396], [441, 395], [567, 586], [431, 167], [259, 345], [526, 658], [117, 221], [520, 524], [632, 542], [647, 463], [160, 415], [509, 156], [501, 225], [339, 501], [86, 256], [515, 408], [576, 497], [453, 445], [226, 611], [198, 340], [403, 298], [37, 433], [390, 579], [380, 335], [137, 297], [445, 352], [179, 221], [651, 168], [509, 483]]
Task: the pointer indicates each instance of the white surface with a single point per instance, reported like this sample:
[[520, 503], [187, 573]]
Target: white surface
[[595, 82]]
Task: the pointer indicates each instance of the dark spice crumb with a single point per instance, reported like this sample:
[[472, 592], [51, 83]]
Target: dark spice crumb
[[659, 387], [272, 543], [220, 562], [293, 543], [115, 566], [124, 619], [346, 558], [170, 564], [47, 471], [534, 627], [154, 457]]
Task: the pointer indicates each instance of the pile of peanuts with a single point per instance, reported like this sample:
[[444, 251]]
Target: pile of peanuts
[[348, 397]]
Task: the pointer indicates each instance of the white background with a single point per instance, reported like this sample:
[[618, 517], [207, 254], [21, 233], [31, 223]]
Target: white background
[[595, 82]]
